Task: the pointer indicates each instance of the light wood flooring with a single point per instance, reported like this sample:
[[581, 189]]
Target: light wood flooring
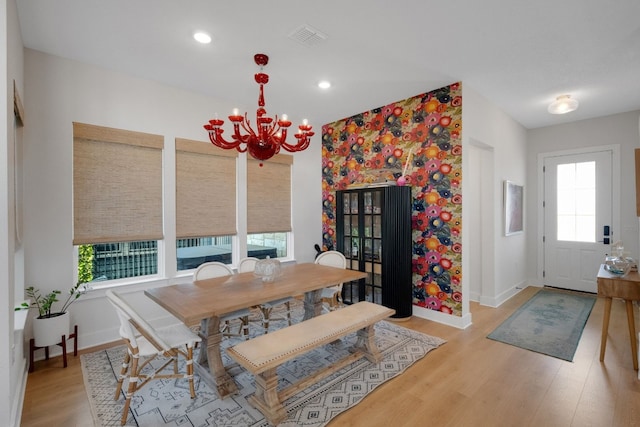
[[469, 381]]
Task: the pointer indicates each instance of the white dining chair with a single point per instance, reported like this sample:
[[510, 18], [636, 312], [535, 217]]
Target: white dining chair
[[332, 296], [144, 344], [249, 264], [210, 270]]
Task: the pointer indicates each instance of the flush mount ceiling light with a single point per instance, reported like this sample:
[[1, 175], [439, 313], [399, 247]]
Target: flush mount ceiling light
[[324, 84], [201, 37], [270, 134], [563, 104]]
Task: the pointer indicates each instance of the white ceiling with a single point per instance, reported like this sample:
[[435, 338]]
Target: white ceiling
[[518, 54]]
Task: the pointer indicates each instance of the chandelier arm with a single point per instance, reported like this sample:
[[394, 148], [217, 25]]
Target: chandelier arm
[[246, 125], [281, 135], [275, 128], [216, 139], [301, 144]]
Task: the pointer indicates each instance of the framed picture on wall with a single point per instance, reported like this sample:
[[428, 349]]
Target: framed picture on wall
[[513, 208]]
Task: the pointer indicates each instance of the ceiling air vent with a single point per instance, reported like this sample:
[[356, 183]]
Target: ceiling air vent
[[307, 35]]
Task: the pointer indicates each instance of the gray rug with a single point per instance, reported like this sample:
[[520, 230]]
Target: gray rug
[[551, 323], [167, 402]]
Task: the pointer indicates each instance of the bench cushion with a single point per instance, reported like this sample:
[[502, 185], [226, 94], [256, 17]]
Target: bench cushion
[[272, 349]]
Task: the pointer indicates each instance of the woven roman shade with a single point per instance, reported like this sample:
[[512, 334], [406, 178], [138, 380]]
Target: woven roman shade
[[205, 190], [117, 185], [269, 195]]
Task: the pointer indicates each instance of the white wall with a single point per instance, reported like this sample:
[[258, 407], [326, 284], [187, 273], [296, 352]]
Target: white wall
[[12, 359], [59, 92], [500, 141], [6, 245], [619, 129]]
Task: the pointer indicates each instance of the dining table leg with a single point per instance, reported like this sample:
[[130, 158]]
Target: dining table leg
[[312, 304], [210, 366]]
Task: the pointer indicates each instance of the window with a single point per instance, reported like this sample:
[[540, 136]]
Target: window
[[205, 203], [113, 261], [577, 202], [262, 245], [269, 204], [116, 225], [118, 205], [195, 251]]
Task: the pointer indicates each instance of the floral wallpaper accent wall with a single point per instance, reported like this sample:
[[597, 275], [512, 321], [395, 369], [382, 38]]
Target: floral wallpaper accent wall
[[373, 147]]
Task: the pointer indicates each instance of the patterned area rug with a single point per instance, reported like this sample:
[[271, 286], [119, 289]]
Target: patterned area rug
[[167, 402], [551, 323]]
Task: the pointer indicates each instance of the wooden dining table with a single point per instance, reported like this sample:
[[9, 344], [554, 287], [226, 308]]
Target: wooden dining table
[[204, 301]]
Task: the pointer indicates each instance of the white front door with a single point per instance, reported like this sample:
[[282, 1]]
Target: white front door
[[577, 218]]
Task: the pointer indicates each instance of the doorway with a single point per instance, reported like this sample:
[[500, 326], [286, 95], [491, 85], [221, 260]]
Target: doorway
[[579, 208], [480, 199]]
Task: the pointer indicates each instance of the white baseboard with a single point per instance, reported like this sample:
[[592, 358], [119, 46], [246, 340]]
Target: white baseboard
[[474, 296], [18, 401], [447, 319], [502, 297]]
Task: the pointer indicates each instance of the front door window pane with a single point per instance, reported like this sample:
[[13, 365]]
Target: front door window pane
[[576, 201]]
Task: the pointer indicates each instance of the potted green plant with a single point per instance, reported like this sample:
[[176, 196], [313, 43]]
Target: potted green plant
[[50, 325]]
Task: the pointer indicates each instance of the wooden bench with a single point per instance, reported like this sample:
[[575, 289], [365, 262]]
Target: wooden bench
[[262, 355]]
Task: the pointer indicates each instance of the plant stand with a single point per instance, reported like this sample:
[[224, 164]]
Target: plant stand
[[62, 343]]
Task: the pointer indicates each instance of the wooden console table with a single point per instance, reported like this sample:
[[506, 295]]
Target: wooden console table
[[627, 288]]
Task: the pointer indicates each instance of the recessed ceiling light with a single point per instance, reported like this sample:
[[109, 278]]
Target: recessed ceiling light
[[201, 37], [324, 84]]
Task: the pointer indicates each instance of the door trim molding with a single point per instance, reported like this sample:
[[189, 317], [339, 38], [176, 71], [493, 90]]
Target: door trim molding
[[615, 197]]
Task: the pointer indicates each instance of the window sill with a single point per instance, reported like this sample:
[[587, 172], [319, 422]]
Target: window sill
[[20, 318], [97, 290]]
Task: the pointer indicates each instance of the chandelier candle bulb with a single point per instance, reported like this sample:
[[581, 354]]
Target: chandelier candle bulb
[[235, 116], [305, 126], [284, 121]]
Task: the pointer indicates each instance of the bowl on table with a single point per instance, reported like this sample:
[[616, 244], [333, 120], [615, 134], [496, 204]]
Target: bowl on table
[[619, 266]]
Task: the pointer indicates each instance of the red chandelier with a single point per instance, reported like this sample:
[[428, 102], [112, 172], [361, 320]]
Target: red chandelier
[[271, 134]]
